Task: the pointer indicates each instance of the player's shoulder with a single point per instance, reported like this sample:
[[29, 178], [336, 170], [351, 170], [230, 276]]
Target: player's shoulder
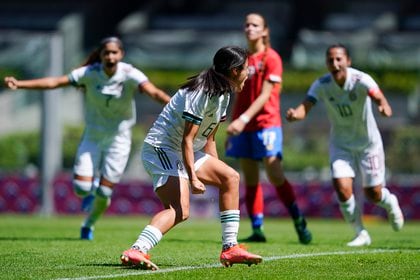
[[358, 76], [94, 67], [273, 53], [126, 67], [325, 79]]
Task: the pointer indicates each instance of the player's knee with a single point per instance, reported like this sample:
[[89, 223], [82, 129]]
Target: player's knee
[[232, 178], [82, 188], [182, 214], [104, 191]]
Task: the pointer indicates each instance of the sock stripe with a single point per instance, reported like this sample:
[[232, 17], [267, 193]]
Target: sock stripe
[[149, 236], [229, 218]]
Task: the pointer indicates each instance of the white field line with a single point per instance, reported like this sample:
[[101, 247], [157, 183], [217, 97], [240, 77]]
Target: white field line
[[265, 259]]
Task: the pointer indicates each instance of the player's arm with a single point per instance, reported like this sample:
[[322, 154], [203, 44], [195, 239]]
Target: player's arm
[[300, 112], [154, 92], [238, 125], [187, 147], [379, 98], [42, 83]]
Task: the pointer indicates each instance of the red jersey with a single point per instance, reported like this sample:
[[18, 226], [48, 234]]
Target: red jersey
[[272, 71]]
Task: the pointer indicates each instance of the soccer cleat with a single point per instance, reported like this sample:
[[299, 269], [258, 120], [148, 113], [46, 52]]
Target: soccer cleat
[[305, 236], [137, 259], [255, 237], [362, 239], [87, 202], [238, 254], [86, 233], [395, 215]]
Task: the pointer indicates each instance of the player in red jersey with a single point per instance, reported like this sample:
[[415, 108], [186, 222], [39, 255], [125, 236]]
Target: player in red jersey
[[256, 133]]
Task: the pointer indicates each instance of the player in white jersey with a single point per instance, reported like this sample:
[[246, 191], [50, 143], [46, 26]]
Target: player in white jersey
[[355, 140], [109, 86], [180, 154]]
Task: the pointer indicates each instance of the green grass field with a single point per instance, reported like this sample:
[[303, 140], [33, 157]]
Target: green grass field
[[33, 247]]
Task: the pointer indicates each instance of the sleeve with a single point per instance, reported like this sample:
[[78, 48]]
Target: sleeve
[[273, 68], [136, 75], [369, 83], [195, 106], [77, 77], [314, 91], [225, 109]]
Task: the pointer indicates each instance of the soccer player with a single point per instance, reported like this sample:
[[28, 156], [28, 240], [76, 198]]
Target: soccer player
[[355, 141], [179, 153], [109, 86], [257, 134]]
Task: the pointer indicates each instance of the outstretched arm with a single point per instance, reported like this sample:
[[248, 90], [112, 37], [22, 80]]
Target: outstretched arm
[[379, 98], [154, 92], [42, 83], [300, 112]]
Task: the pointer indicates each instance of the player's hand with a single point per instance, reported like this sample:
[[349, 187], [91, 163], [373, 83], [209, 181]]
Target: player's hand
[[197, 187], [10, 82], [385, 110], [291, 115], [236, 127]]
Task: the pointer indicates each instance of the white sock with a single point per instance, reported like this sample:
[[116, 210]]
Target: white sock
[[385, 200], [100, 204], [351, 213], [148, 238], [230, 227]]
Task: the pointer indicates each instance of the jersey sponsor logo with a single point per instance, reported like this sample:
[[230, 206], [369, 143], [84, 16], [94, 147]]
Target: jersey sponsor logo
[[179, 165], [251, 71], [352, 95]]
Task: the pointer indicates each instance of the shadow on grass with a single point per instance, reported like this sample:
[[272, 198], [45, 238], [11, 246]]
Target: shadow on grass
[[33, 238], [178, 240]]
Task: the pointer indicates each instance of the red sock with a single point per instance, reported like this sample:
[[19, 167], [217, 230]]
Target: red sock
[[286, 193], [254, 199]]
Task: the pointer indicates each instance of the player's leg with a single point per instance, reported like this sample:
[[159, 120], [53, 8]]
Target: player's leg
[[254, 199], [114, 161], [373, 172], [286, 194], [86, 162], [216, 173], [171, 185], [174, 195], [270, 149], [343, 170], [351, 211]]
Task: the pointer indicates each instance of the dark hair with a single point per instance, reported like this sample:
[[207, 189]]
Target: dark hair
[[339, 46], [215, 80], [95, 55]]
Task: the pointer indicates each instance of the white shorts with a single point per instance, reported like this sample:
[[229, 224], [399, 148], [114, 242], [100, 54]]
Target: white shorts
[[108, 156], [370, 162], [161, 163]]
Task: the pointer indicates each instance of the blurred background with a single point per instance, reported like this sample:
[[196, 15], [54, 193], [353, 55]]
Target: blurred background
[[169, 40]]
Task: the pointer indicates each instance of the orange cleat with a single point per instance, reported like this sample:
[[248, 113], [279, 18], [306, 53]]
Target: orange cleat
[[137, 259], [238, 254]]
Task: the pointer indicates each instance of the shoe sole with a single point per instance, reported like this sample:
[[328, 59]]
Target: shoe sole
[[144, 265], [249, 262]]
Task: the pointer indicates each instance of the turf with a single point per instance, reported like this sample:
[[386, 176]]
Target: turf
[[33, 247]]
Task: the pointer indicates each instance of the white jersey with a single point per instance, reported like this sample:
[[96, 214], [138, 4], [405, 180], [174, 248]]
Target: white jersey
[[109, 101], [349, 109], [196, 107]]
